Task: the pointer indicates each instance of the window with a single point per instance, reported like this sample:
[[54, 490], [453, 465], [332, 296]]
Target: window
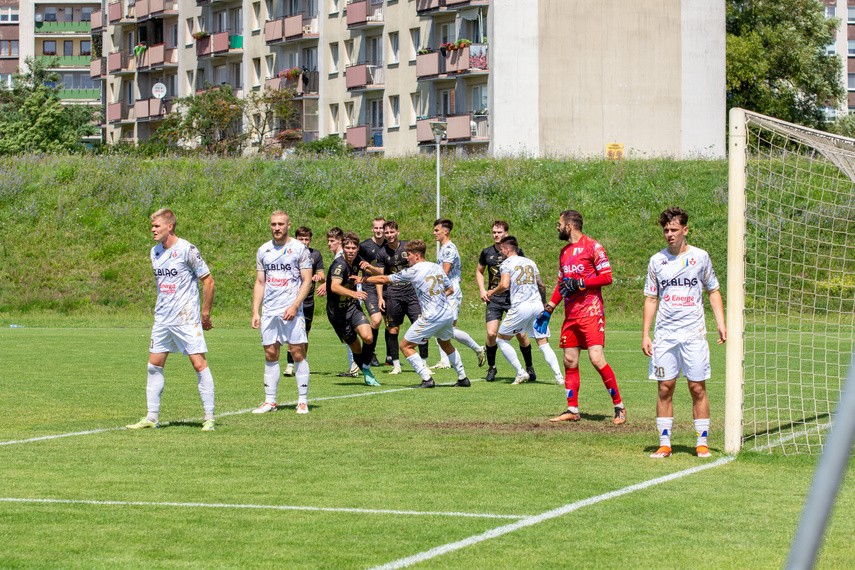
[[201, 80], [256, 68], [237, 75], [256, 15], [50, 14], [395, 110], [86, 14], [348, 111], [172, 37], [348, 52], [68, 81], [269, 5], [446, 107], [69, 14], [10, 48], [851, 82], [6, 80], [86, 82], [831, 49], [131, 43], [129, 93], [830, 113], [334, 57], [13, 11], [479, 98], [271, 66], [172, 85], [311, 10], [446, 33], [293, 7], [48, 47], [85, 47], [334, 6], [221, 75], [375, 108], [416, 41], [220, 22], [375, 51], [68, 48], [851, 47], [830, 11], [189, 80], [850, 14], [189, 30], [310, 59], [416, 101], [291, 60], [333, 118], [237, 21], [393, 47], [8, 14]]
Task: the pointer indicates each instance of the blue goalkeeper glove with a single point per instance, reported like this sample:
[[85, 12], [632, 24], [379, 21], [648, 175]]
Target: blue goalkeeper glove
[[569, 286], [541, 323]]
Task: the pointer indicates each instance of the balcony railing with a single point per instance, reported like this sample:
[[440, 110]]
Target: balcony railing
[[50, 27], [434, 5], [117, 11], [364, 76], [304, 84], [299, 25], [160, 6], [469, 58], [80, 93], [120, 62], [141, 109], [97, 21], [357, 137], [364, 13], [159, 108], [67, 60], [429, 64], [203, 46], [98, 67], [467, 127], [274, 31], [423, 130], [117, 112], [159, 55], [142, 11]]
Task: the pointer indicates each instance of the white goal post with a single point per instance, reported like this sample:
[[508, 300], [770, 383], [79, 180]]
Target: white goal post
[[790, 282]]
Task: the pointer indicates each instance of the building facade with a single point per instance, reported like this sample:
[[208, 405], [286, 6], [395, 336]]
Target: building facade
[[563, 77]]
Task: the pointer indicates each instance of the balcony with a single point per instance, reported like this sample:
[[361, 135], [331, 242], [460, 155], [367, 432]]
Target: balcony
[[79, 94], [426, 6], [97, 21], [429, 65], [67, 60], [163, 7], [464, 60], [362, 14], [424, 134], [141, 110], [220, 43], [63, 27], [118, 12], [98, 67], [357, 137], [365, 76], [160, 56], [159, 108], [121, 62], [203, 46], [117, 112], [306, 83], [468, 127], [274, 31]]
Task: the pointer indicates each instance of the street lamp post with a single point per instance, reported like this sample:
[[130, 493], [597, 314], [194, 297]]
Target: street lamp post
[[438, 128]]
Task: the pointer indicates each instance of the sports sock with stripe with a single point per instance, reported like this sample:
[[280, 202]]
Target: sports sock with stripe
[[664, 427], [702, 428], [610, 383], [571, 386]]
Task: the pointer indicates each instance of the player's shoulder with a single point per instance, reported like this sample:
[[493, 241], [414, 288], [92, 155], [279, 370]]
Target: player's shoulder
[[697, 252], [265, 247]]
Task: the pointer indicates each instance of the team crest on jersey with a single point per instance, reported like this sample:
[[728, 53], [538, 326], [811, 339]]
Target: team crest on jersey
[[577, 250], [172, 255], [289, 250], [689, 261]]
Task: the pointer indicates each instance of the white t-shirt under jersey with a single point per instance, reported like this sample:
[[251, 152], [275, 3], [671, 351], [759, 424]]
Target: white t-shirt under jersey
[[523, 272], [281, 265], [679, 282], [430, 282], [176, 273]]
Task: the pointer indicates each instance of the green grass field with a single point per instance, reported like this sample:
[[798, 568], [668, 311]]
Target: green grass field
[[372, 475]]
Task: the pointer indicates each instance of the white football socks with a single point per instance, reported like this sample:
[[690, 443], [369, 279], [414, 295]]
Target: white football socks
[[466, 340], [552, 361], [206, 391], [664, 427], [457, 363], [272, 372], [702, 428], [301, 373], [153, 391], [510, 354], [419, 366]]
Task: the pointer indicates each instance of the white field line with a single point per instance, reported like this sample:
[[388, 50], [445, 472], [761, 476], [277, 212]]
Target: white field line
[[533, 520], [790, 437], [259, 507], [237, 412]]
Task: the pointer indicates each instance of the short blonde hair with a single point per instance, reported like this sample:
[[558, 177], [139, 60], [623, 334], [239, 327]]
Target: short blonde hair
[[168, 216], [280, 213]]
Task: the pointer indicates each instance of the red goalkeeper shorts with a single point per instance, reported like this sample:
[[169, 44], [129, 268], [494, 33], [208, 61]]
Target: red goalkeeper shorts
[[583, 332]]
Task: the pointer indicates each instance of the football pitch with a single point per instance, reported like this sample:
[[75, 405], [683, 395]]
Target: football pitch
[[385, 477]]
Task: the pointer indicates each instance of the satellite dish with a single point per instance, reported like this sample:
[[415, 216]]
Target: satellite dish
[[39, 18]]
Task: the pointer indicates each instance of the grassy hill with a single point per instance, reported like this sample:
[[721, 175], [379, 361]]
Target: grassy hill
[[76, 236]]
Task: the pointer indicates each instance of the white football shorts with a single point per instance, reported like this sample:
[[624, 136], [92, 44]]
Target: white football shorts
[[186, 339], [521, 319], [421, 331], [671, 356], [276, 329]]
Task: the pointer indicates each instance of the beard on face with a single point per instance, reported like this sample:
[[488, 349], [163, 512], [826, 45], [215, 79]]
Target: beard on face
[[564, 234]]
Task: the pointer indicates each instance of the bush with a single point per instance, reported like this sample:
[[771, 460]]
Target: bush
[[331, 145]]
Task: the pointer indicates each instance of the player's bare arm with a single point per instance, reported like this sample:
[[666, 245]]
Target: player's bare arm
[[373, 270], [257, 297], [504, 285], [650, 306], [541, 287], [291, 311], [207, 301], [479, 279], [378, 280], [718, 312], [339, 289]]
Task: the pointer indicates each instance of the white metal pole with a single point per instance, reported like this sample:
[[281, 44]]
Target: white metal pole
[[438, 138], [738, 138]]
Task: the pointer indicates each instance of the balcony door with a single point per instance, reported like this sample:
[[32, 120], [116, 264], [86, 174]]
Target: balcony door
[[375, 50], [375, 114], [237, 21], [220, 22], [310, 58]]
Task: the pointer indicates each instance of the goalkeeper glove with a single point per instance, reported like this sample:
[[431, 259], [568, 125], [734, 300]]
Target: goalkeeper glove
[[569, 286], [541, 323]]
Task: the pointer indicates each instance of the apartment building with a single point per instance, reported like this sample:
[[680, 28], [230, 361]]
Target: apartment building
[[506, 76], [9, 40]]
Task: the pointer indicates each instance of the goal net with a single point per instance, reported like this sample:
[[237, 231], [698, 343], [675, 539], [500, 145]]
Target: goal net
[[791, 282]]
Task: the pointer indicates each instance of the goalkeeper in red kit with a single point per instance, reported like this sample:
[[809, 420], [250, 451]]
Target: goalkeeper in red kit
[[583, 269]]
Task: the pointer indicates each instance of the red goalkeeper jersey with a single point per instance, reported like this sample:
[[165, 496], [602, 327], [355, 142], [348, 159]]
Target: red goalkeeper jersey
[[586, 259]]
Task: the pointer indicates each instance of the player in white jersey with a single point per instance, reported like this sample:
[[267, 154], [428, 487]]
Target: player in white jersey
[[178, 323], [283, 278], [449, 260], [432, 288], [676, 279], [521, 276]]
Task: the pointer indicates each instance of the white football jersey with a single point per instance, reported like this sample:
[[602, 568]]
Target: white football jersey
[[679, 283], [281, 265], [176, 273], [448, 254], [430, 282], [523, 272]]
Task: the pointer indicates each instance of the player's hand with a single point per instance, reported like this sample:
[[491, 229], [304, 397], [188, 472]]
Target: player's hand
[[485, 296], [381, 304], [364, 265], [321, 291], [357, 278], [647, 346], [361, 295], [569, 286], [256, 321], [206, 323], [541, 323], [289, 314], [722, 334], [316, 278]]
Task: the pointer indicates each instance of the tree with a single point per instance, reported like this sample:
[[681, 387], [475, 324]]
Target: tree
[[32, 117], [777, 62], [269, 112]]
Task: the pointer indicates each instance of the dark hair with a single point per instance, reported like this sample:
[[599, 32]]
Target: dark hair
[[444, 222], [335, 233], [673, 213], [502, 224], [573, 218], [511, 242], [303, 231], [390, 224], [417, 246], [350, 237]]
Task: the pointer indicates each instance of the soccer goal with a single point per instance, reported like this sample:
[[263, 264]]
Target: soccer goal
[[790, 280]]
